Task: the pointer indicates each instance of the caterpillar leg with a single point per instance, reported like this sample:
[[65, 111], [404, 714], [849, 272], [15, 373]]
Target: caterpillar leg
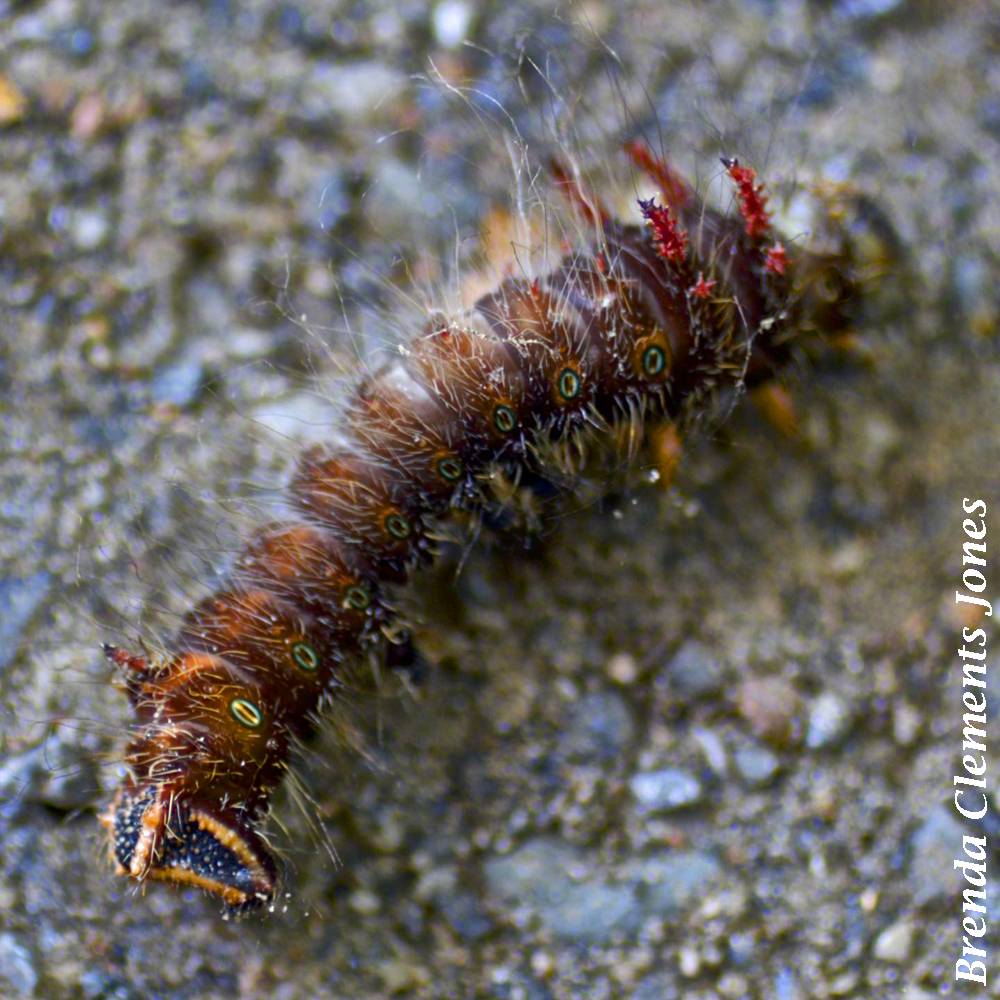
[[404, 658], [665, 449], [775, 404]]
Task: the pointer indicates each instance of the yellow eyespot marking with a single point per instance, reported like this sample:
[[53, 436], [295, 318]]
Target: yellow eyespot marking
[[450, 469], [246, 713], [654, 360], [569, 384], [398, 526], [357, 597], [305, 657], [504, 419]]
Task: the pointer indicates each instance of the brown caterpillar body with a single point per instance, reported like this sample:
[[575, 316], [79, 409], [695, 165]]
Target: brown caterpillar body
[[647, 321]]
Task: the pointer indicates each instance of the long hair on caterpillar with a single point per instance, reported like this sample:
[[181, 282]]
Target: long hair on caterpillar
[[610, 332], [690, 742]]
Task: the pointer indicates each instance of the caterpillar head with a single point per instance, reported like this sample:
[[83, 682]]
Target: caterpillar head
[[158, 835], [852, 245]]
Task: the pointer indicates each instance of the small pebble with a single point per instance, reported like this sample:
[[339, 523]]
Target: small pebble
[[17, 966], [390, 832], [906, 722], [829, 721], [713, 748], [769, 705], [844, 984], [895, 943], [757, 765], [89, 229], [666, 790], [786, 985], [365, 902], [551, 877], [450, 22], [695, 670], [732, 984], [933, 844], [436, 882], [670, 882], [12, 102], [542, 964], [351, 89], [689, 962], [87, 117], [742, 946], [468, 919], [177, 384], [401, 977], [864, 9], [622, 669], [848, 560], [600, 726], [98, 985]]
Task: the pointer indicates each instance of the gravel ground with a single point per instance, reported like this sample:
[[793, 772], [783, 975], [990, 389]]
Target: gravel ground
[[700, 745]]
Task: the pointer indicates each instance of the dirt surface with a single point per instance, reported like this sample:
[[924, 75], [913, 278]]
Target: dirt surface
[[699, 743]]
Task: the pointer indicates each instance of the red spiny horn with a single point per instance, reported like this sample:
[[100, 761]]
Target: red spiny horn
[[670, 241], [753, 201]]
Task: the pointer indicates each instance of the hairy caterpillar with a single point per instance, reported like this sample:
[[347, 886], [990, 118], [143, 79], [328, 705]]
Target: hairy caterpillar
[[652, 318]]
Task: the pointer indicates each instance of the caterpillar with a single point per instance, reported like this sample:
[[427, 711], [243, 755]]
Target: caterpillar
[[647, 322]]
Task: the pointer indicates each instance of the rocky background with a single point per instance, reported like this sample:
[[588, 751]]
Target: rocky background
[[700, 742]]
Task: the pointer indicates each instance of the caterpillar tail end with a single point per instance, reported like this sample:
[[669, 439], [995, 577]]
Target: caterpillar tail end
[[157, 837]]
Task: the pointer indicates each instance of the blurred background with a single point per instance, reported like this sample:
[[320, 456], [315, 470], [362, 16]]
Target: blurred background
[[696, 744]]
